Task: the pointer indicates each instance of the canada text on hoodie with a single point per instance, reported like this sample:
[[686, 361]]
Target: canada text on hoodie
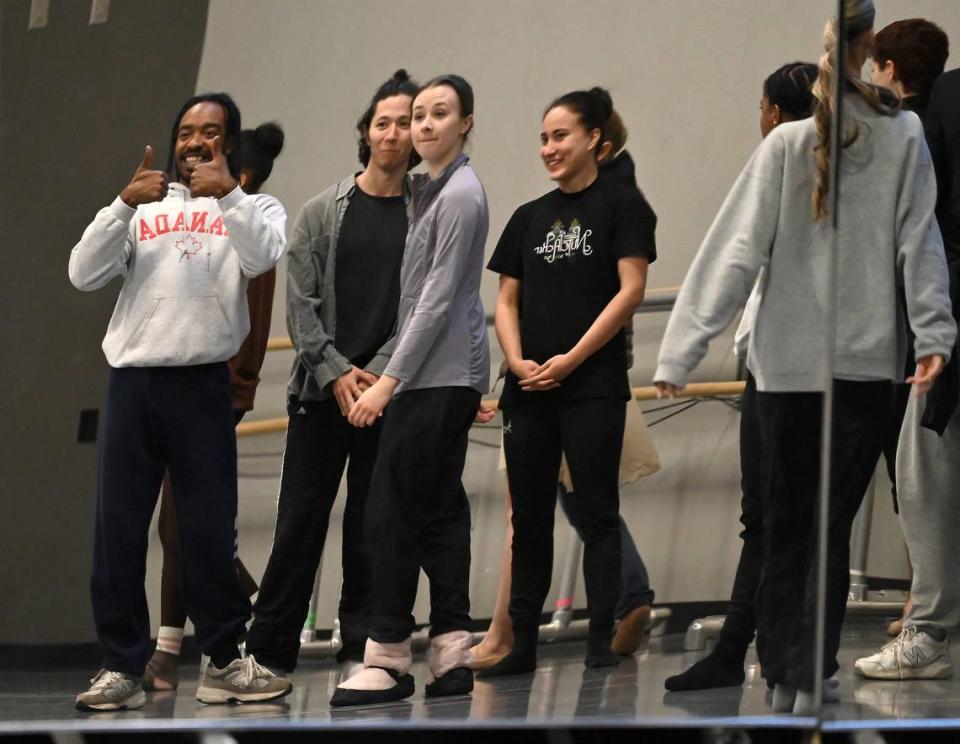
[[185, 264]]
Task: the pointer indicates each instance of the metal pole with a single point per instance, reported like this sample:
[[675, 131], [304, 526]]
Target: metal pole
[[836, 134], [860, 545]]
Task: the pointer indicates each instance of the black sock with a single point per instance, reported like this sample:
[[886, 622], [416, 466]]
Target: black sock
[[222, 658], [599, 653], [722, 667]]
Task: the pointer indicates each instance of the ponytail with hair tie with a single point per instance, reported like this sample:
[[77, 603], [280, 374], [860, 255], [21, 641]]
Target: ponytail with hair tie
[[859, 15]]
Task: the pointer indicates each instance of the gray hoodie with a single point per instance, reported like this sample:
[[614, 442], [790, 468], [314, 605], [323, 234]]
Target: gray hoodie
[[185, 263], [888, 237]]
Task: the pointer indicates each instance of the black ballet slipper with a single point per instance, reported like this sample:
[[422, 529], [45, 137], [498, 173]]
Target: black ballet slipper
[[343, 697], [458, 681]]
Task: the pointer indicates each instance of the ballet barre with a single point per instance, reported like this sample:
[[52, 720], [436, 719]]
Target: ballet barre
[[693, 390]]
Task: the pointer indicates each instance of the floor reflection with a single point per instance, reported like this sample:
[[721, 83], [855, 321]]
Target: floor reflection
[[562, 692]]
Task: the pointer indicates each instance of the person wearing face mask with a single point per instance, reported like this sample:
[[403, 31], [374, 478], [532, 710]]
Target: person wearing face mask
[[186, 251], [787, 96], [343, 288], [260, 148], [777, 217], [907, 57], [573, 268], [417, 513]]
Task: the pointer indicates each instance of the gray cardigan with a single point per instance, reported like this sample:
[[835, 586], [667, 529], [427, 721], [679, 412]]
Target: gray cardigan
[[442, 336], [888, 237], [311, 296]]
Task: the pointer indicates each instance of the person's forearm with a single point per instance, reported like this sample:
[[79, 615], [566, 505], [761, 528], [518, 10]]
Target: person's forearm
[[608, 323], [507, 323]]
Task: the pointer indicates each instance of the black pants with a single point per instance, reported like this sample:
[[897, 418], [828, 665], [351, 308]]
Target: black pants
[[635, 588], [590, 433], [741, 619], [418, 515], [320, 444], [786, 600], [158, 418]]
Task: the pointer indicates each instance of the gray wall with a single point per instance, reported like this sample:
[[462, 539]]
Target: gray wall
[[79, 103]]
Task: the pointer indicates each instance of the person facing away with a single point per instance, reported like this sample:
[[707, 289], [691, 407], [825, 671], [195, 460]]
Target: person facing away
[[786, 97], [186, 242], [776, 216]]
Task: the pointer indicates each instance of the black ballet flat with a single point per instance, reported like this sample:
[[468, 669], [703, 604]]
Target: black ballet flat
[[458, 681], [403, 689]]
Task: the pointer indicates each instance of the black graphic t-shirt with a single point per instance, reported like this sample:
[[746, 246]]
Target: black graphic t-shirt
[[367, 282], [564, 249]]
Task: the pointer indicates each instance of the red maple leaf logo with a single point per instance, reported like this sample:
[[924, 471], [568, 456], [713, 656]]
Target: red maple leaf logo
[[188, 246]]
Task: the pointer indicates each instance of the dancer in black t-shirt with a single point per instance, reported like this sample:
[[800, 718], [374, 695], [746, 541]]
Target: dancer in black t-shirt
[[572, 267], [343, 290]]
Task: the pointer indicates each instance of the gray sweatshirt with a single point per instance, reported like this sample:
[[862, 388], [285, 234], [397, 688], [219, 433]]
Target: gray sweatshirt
[[185, 263], [888, 237], [442, 333]]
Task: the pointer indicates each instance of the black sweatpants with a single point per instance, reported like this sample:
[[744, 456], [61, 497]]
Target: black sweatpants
[[590, 433], [741, 621], [181, 419], [786, 600], [417, 512], [320, 444]]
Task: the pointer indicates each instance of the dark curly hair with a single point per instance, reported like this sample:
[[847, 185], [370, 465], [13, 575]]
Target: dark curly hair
[[791, 88], [261, 146]]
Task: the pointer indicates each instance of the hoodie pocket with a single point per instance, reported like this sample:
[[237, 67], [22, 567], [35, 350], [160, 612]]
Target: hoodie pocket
[[187, 328]]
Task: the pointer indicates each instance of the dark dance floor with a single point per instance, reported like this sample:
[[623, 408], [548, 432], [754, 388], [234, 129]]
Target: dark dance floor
[[562, 694]]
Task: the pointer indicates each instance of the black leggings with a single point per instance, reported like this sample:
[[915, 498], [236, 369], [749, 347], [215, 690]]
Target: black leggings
[[590, 433]]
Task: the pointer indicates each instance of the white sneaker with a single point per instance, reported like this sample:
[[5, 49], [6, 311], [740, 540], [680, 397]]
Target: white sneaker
[[112, 691], [914, 654], [241, 681]]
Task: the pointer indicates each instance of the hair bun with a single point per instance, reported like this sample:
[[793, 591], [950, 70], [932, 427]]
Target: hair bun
[[401, 76], [270, 138], [604, 95]]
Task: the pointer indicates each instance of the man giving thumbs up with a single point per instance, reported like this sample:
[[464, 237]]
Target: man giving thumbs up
[[185, 242]]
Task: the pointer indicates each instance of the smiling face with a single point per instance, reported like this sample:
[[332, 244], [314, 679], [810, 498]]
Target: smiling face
[[567, 148], [194, 145], [389, 133], [438, 127]]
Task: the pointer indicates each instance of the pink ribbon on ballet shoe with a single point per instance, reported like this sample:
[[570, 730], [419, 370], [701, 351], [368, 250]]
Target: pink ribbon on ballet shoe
[[449, 651]]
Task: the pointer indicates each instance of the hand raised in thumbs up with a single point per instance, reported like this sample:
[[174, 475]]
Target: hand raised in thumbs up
[[146, 185], [213, 177]]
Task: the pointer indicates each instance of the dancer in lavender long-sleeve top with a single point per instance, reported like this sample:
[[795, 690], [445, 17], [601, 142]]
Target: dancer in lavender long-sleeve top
[[417, 511]]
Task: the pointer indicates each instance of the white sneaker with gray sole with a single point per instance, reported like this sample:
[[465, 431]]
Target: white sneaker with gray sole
[[914, 654], [112, 691], [241, 681]]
